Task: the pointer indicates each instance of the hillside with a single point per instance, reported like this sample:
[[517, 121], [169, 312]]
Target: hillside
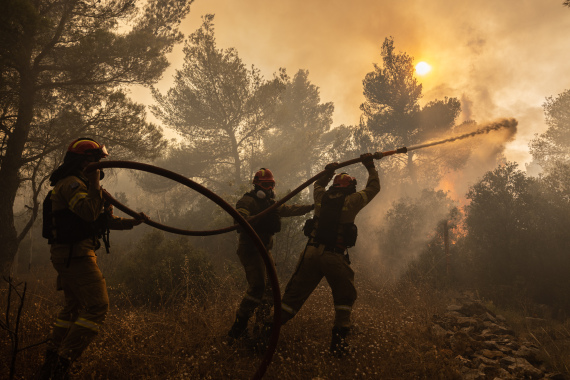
[[400, 332]]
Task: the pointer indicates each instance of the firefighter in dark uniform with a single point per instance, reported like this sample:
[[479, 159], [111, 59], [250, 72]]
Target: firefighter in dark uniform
[[331, 232], [75, 217], [258, 296]]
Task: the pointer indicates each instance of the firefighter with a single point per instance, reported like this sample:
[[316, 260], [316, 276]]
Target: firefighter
[[75, 217], [331, 232], [258, 296]]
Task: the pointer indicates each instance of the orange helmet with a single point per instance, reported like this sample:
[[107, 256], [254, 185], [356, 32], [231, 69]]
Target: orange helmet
[[88, 147], [343, 180], [264, 179]]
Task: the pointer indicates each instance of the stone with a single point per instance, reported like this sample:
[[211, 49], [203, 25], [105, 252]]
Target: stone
[[439, 331], [492, 354], [524, 369], [529, 353]]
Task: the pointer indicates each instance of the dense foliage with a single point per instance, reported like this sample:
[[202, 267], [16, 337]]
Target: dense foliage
[[64, 65]]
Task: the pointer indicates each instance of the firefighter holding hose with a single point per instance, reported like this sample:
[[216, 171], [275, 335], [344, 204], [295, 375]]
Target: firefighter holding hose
[[75, 218], [258, 297], [330, 233]]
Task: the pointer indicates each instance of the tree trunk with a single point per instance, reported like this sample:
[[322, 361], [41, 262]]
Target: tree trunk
[[412, 170], [10, 171], [237, 159]]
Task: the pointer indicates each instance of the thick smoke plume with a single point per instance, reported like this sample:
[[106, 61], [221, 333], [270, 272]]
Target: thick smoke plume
[[462, 160]]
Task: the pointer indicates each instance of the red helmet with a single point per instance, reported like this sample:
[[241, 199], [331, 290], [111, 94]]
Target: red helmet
[[88, 147], [343, 180], [264, 179]]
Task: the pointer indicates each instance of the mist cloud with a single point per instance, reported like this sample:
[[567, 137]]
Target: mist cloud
[[504, 57]]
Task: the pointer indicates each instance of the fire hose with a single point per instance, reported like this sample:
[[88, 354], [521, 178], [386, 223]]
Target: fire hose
[[245, 224], [272, 274]]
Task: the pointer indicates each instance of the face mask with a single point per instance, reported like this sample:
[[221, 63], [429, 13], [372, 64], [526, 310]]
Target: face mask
[[261, 194]]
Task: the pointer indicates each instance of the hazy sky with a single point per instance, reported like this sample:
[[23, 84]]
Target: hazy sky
[[502, 58]]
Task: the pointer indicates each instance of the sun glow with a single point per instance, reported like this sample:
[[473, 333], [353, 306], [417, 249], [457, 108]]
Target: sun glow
[[423, 68]]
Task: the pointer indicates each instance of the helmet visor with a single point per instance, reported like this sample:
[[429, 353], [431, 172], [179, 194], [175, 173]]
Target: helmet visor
[[266, 185], [97, 153]]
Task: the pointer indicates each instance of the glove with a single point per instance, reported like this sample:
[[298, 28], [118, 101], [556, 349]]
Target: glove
[[136, 222], [331, 167], [367, 160]]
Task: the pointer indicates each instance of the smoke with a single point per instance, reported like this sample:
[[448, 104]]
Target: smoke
[[403, 218]]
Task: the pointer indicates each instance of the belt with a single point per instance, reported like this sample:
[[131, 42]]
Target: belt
[[328, 248]]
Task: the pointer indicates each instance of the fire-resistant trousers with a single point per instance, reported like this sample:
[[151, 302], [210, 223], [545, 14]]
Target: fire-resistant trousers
[[86, 305], [314, 264], [259, 289]]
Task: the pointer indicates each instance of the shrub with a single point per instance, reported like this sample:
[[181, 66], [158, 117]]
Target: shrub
[[160, 271]]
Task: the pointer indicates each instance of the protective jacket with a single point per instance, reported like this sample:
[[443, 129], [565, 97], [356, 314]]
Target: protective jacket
[[351, 205], [74, 194], [250, 205]]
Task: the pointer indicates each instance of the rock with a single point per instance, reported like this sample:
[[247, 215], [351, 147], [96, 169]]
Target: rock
[[555, 376], [474, 308], [490, 371], [454, 308], [486, 347], [529, 353], [491, 354], [489, 317], [507, 361], [479, 359], [524, 369], [467, 322], [461, 343], [497, 329], [452, 315], [464, 361], [472, 374], [439, 331]]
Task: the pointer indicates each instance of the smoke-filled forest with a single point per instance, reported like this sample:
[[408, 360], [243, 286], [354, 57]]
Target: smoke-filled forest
[[461, 262]]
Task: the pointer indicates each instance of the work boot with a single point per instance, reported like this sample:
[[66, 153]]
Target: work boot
[[48, 367], [339, 346], [61, 368], [239, 328]]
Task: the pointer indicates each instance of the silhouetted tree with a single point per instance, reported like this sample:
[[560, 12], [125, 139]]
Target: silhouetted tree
[[391, 111], [392, 94], [294, 146], [219, 106], [517, 236], [554, 144], [63, 64]]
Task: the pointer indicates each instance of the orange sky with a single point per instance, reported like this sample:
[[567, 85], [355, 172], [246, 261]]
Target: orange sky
[[501, 58]]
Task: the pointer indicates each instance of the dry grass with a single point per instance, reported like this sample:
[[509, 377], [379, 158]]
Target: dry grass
[[390, 339], [551, 336]]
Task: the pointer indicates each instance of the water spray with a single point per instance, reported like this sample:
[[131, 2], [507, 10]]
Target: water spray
[[505, 123]]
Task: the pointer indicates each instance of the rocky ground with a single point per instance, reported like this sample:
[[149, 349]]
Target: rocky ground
[[486, 346]]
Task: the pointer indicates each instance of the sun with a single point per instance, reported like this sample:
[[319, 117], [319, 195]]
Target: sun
[[423, 68]]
